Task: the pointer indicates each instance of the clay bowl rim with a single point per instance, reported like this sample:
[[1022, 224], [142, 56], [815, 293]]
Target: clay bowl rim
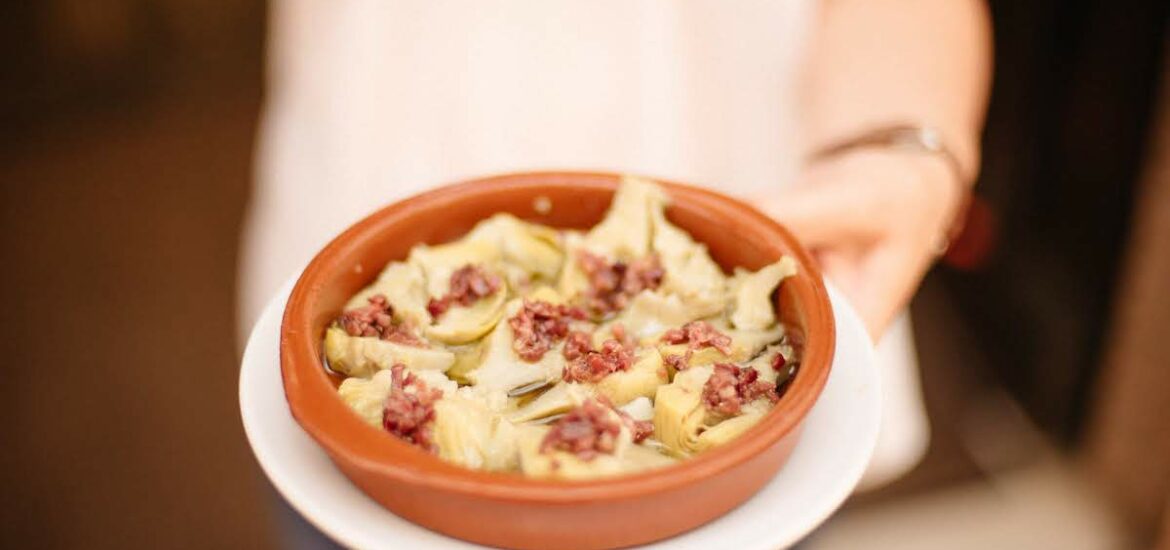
[[347, 439]]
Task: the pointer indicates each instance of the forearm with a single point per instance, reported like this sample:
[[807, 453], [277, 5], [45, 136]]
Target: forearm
[[877, 62]]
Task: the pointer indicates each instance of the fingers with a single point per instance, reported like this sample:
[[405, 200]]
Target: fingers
[[825, 214], [878, 283], [885, 281], [853, 278]]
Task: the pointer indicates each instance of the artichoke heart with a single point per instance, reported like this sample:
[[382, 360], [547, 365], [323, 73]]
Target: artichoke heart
[[745, 344], [467, 359], [535, 249], [679, 413], [404, 287], [699, 357], [641, 380], [748, 343], [627, 458], [752, 306], [763, 362], [625, 231], [460, 325], [468, 434], [437, 263], [620, 388], [683, 424], [651, 313], [364, 355], [437, 380], [502, 370], [572, 282], [564, 465], [560, 464], [690, 271], [366, 396]]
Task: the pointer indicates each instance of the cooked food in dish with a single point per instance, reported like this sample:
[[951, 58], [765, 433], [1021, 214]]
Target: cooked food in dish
[[566, 354]]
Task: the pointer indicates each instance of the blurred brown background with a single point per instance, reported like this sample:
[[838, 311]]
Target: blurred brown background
[[125, 156]]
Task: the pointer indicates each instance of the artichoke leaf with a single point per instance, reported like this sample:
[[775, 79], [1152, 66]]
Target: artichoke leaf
[[493, 399], [727, 430], [435, 379], [752, 306], [545, 294], [558, 399], [641, 408]]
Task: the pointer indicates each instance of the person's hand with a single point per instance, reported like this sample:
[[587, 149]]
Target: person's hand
[[875, 219]]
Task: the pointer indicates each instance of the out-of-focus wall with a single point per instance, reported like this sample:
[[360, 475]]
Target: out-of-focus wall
[[125, 160], [1128, 448]]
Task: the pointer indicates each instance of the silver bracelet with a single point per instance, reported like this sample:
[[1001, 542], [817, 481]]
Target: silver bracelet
[[924, 139]]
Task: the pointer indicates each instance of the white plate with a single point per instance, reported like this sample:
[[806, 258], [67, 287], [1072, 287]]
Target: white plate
[[838, 437]]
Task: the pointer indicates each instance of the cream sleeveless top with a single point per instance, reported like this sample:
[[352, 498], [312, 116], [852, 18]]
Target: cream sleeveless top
[[370, 101]]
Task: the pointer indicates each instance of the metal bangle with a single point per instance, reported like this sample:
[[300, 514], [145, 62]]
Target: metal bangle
[[923, 139]]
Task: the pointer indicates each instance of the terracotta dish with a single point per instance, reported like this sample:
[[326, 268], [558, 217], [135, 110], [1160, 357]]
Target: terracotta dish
[[510, 510]]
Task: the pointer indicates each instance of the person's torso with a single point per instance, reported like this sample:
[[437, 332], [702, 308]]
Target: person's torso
[[407, 94]]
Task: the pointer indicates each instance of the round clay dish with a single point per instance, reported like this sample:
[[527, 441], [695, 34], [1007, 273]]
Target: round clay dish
[[509, 510]]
